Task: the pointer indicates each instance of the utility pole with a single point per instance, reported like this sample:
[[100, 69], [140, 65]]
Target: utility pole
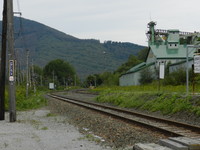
[[17, 64], [11, 65], [74, 80], [95, 81], [53, 76], [64, 81], [190, 48], [19, 72], [41, 80], [3, 63], [53, 79], [27, 72], [33, 78]]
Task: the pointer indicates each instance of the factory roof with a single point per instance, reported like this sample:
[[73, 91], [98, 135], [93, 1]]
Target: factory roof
[[162, 52]]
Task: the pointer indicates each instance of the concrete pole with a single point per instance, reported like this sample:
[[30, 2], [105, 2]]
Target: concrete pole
[[10, 43], [27, 73], [29, 77]]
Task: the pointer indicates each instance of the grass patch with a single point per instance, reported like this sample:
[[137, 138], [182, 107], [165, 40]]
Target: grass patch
[[153, 88], [51, 115], [90, 137], [35, 123], [44, 128], [148, 98]]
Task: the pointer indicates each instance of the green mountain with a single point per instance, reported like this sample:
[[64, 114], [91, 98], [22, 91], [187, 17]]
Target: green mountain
[[88, 56]]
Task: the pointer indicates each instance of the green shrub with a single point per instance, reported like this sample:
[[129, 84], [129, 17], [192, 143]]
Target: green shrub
[[146, 76], [34, 100]]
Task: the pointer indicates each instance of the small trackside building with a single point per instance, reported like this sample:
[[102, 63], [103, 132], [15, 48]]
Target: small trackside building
[[166, 46]]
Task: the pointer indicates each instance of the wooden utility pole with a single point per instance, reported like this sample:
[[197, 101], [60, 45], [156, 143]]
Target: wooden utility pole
[[11, 62], [3, 63]]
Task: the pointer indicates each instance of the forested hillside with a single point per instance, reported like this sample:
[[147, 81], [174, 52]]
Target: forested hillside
[[88, 56]]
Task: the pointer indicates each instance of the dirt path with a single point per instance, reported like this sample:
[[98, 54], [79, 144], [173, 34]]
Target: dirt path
[[41, 130]]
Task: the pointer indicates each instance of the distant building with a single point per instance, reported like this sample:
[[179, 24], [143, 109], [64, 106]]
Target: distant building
[[166, 46]]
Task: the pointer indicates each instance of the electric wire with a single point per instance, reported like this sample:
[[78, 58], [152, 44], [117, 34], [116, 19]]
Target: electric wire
[[21, 52]]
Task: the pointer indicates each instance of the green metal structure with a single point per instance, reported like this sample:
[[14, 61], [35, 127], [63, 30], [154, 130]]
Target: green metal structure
[[164, 46]]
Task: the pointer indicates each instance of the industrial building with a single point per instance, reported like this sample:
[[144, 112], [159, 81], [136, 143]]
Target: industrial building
[[166, 47]]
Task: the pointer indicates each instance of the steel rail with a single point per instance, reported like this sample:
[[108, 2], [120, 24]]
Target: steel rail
[[166, 131]]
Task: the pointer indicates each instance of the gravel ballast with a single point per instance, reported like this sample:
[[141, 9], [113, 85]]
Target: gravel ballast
[[113, 132]]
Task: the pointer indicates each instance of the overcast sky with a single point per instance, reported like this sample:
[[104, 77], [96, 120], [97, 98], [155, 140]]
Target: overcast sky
[[116, 20]]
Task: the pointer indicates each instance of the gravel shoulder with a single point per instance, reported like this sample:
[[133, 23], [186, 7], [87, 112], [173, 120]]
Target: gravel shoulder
[[42, 130]]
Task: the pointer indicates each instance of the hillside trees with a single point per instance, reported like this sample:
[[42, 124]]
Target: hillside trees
[[105, 78], [46, 43], [59, 71], [37, 74], [93, 80], [112, 78], [132, 61], [142, 54]]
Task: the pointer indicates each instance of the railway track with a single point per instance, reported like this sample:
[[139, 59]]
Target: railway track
[[167, 127]]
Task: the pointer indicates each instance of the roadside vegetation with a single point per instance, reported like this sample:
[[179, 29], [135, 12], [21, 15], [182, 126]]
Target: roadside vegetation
[[169, 100], [33, 101], [57, 71]]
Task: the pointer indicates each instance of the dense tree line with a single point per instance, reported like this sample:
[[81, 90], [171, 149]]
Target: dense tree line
[[58, 71], [61, 72]]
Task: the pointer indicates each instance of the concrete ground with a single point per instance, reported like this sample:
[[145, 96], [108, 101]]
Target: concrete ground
[[41, 130]]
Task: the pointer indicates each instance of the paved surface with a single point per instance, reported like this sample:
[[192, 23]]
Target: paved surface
[[41, 130]]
